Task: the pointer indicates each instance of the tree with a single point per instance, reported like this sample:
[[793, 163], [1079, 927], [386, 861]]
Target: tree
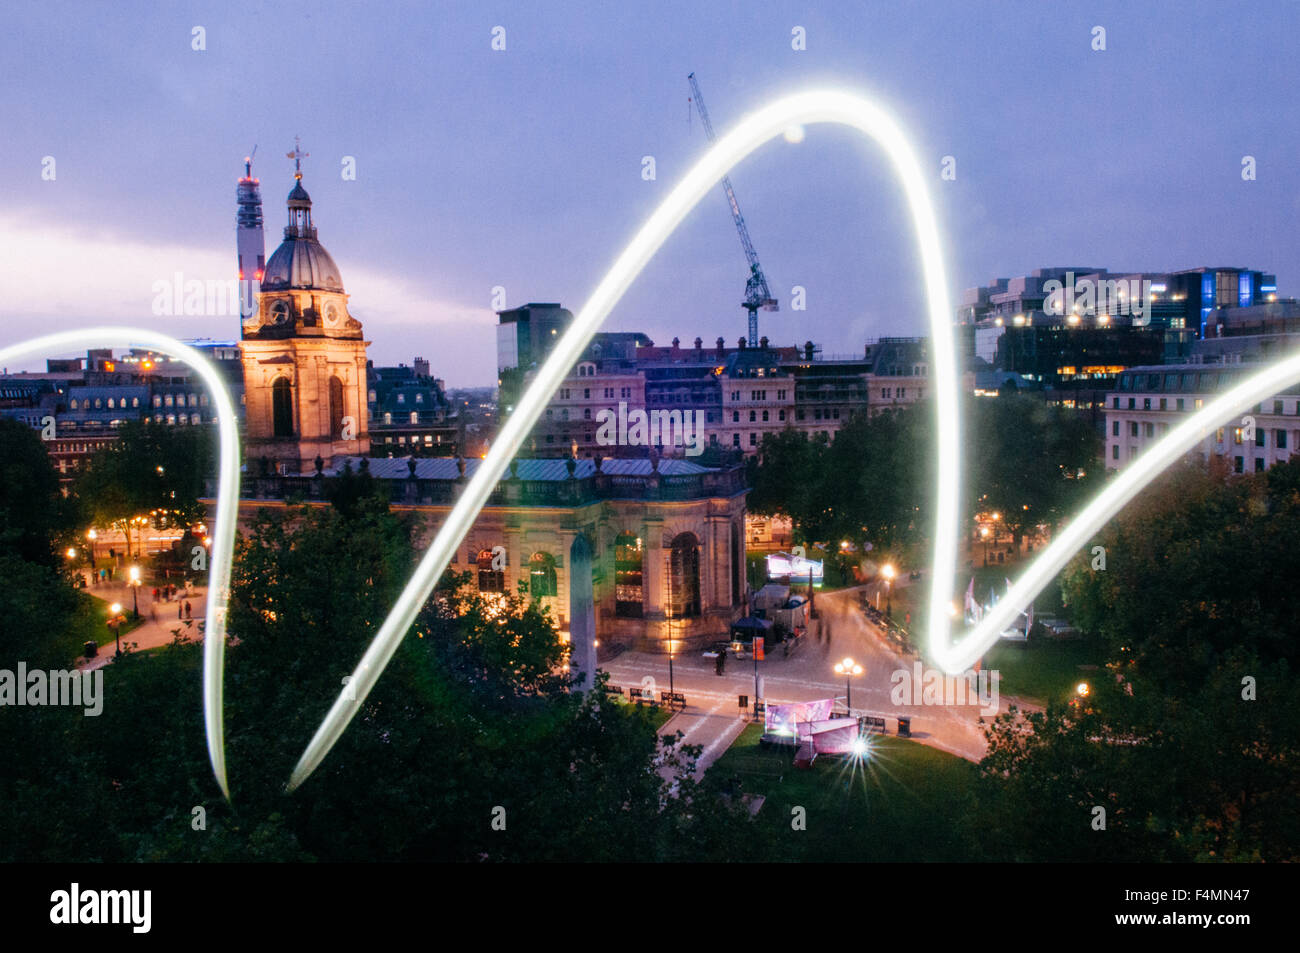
[[34, 518], [1024, 459], [1190, 736], [152, 471]]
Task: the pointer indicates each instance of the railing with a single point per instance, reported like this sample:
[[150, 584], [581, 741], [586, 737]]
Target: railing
[[412, 491]]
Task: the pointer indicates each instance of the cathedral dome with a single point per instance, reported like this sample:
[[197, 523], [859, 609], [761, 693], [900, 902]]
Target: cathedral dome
[[301, 262]]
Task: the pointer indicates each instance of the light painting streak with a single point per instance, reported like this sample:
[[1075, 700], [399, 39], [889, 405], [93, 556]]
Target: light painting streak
[[223, 530], [825, 106], [1269, 382]]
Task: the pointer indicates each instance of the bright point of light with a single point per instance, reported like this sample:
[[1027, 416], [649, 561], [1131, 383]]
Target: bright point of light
[[1082, 688], [888, 571], [134, 573], [860, 748], [91, 534], [72, 553], [848, 667], [115, 608], [794, 133]]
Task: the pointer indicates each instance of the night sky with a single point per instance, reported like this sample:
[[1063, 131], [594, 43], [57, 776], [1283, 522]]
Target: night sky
[[477, 168]]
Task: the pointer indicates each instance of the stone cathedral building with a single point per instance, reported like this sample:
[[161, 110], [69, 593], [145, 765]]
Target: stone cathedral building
[[304, 357], [644, 553]]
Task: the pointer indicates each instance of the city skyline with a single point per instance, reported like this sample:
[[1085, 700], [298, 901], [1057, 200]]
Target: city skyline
[[462, 186]]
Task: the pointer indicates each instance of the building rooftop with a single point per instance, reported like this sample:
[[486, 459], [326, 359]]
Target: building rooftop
[[539, 470]]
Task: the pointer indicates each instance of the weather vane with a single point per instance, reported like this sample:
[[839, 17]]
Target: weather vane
[[297, 156]]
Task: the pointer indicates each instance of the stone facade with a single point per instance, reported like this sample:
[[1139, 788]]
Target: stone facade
[[686, 523]]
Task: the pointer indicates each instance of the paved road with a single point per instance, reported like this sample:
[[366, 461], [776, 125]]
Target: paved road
[[160, 619], [712, 718]]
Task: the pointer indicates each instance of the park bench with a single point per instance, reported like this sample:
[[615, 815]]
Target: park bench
[[613, 689], [674, 700], [873, 723], [640, 695]]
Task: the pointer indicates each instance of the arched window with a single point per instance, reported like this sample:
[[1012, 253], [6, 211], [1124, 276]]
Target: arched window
[[490, 579], [541, 575], [684, 577], [336, 408], [281, 407], [628, 594]]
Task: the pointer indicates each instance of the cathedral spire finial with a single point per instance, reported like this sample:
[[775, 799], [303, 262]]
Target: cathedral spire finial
[[297, 156]]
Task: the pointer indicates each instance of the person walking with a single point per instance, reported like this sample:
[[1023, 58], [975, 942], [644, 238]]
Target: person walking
[[180, 610], [721, 663], [189, 612]]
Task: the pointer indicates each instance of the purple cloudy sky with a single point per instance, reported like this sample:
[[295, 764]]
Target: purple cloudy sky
[[522, 168]]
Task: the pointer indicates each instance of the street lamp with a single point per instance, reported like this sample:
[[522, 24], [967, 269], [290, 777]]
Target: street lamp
[[115, 623], [92, 536], [984, 534], [133, 578], [848, 668], [889, 573]]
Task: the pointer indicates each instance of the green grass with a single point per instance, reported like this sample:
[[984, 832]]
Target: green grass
[[1043, 671], [656, 715], [89, 624], [904, 802]]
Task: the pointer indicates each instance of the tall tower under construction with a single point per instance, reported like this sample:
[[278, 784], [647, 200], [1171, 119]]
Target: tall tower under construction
[[249, 243]]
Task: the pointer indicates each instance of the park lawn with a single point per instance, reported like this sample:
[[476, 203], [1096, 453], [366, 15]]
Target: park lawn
[[1044, 671], [656, 715], [89, 624], [904, 802]]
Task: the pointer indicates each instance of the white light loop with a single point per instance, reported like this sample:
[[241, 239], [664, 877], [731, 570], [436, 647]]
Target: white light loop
[[223, 530], [803, 109]]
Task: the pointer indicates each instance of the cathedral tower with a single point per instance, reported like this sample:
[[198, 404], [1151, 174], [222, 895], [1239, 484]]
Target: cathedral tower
[[303, 354]]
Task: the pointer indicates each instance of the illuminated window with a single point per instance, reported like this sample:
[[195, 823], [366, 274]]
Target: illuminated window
[[489, 579], [541, 575]]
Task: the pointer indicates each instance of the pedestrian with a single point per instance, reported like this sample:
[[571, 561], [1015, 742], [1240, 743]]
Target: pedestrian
[[180, 610], [155, 593], [721, 662], [188, 610], [153, 611]]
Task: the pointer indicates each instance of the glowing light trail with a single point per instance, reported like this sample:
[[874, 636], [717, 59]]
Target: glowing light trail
[[803, 109], [223, 530]]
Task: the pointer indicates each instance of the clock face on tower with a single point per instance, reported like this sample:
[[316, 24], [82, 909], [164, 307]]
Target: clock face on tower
[[332, 315], [279, 314]]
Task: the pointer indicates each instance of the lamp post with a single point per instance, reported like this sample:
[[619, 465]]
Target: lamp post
[[848, 668], [671, 619], [984, 533], [888, 572], [133, 579], [115, 623], [92, 536]]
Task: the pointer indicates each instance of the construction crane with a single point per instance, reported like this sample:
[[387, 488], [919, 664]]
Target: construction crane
[[757, 294]]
